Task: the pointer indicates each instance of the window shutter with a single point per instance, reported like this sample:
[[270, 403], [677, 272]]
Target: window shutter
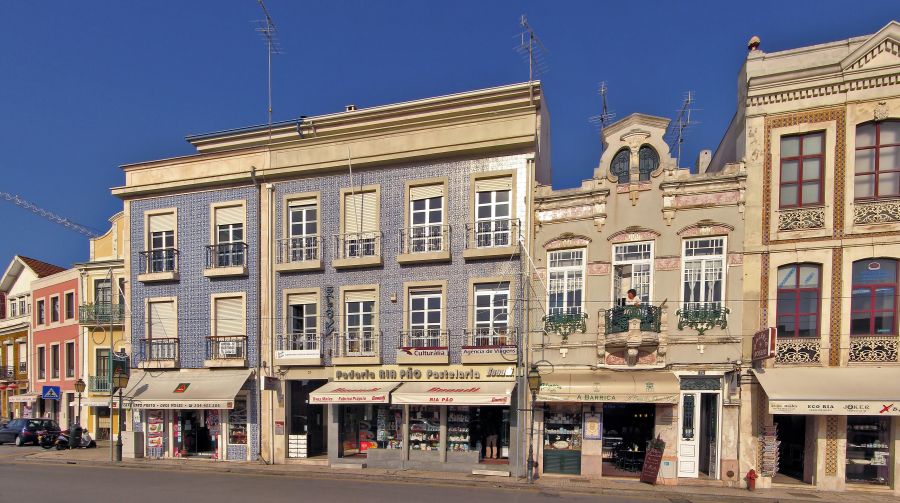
[[2, 305], [163, 222], [360, 212], [426, 191], [305, 201], [492, 184], [359, 296], [230, 317], [163, 320], [296, 299], [229, 215], [23, 352]]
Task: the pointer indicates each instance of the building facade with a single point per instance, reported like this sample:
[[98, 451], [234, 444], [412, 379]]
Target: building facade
[[819, 129], [639, 274]]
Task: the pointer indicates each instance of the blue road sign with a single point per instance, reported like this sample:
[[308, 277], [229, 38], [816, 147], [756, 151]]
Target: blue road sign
[[50, 393]]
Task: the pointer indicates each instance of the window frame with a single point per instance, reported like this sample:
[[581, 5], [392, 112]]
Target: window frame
[[644, 176], [69, 305], [876, 174], [704, 259], [649, 262], [873, 288], [41, 357], [55, 361], [365, 345], [41, 312], [70, 366], [621, 178], [798, 183], [566, 270], [55, 309], [796, 291]]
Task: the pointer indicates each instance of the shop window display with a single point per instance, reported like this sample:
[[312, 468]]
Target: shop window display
[[458, 433], [562, 440], [424, 428], [389, 422], [868, 451], [237, 423]]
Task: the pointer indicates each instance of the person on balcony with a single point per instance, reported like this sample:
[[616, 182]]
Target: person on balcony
[[632, 298]]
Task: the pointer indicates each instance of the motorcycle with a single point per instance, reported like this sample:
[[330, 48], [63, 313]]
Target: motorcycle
[[75, 437], [46, 439]]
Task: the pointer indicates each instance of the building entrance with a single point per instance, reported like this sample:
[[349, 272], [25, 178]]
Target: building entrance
[[306, 421], [627, 430], [791, 431]]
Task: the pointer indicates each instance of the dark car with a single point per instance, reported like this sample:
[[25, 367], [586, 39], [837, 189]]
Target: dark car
[[24, 431]]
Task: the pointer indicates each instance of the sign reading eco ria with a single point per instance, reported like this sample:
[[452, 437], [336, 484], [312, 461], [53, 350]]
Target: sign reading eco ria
[[426, 373]]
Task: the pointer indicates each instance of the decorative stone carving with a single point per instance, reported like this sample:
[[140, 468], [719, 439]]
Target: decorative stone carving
[[705, 228], [798, 351], [705, 200], [735, 259], [668, 263], [598, 268], [876, 212], [643, 341], [881, 111], [801, 219], [873, 349], [633, 233], [567, 240], [570, 213]]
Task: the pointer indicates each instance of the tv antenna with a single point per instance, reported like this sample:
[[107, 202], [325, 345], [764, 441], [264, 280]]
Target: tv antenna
[[49, 215], [678, 128], [605, 117], [269, 33], [532, 50]]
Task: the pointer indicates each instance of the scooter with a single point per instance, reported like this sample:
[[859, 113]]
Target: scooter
[[46, 439], [75, 437]]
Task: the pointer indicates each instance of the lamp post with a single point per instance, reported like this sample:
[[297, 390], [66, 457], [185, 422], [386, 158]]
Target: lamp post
[[534, 385], [120, 381], [79, 388]]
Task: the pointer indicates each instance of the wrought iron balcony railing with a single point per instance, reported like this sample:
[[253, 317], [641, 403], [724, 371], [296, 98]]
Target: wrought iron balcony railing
[[425, 239], [495, 233], [309, 341], [357, 343], [159, 350], [617, 319], [23, 367], [702, 316], [7, 373], [424, 338], [226, 347], [486, 337], [358, 245], [101, 313], [298, 249], [226, 255], [565, 323], [161, 260], [99, 384]]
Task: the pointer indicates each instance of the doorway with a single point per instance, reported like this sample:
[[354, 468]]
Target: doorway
[[627, 430], [698, 439], [353, 420], [306, 421], [196, 438], [791, 431]]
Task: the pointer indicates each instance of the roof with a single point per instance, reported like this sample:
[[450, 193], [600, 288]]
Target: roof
[[41, 268]]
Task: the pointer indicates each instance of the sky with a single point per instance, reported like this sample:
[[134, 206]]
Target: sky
[[88, 86]]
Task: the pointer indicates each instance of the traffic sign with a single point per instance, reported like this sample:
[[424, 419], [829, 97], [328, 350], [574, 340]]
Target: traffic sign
[[50, 393]]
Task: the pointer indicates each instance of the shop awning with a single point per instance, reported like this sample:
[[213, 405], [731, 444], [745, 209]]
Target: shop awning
[[24, 398], [628, 386], [353, 392], [454, 393], [843, 391], [185, 389]]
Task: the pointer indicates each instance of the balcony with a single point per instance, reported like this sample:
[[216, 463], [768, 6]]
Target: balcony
[[299, 348], [159, 353], [7, 373], [798, 351], [226, 351], [490, 345], [298, 254], [702, 316], [425, 243], [563, 323], [158, 265], [357, 347], [618, 319], [101, 313], [226, 259], [424, 345], [360, 249], [23, 368], [99, 384], [492, 238]]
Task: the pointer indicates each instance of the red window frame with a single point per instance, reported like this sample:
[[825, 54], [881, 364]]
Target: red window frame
[[878, 171], [795, 292], [798, 184], [872, 288]]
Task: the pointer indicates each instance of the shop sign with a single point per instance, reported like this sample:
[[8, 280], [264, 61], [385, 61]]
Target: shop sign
[[489, 351], [279, 427], [614, 397], [426, 373], [182, 404], [834, 408], [421, 352], [764, 344], [593, 426]]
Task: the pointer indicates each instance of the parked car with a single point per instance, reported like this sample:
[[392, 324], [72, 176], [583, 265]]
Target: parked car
[[24, 431]]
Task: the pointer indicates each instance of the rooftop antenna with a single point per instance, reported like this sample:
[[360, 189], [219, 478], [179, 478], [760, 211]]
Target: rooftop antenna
[[269, 34], [605, 117], [533, 50], [678, 128], [49, 215]]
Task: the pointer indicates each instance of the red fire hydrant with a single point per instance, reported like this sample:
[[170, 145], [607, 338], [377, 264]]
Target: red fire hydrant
[[751, 480]]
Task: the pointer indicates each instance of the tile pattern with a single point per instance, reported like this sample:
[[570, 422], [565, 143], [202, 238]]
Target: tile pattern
[[837, 274], [831, 445]]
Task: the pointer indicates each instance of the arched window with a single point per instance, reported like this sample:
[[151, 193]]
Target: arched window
[[877, 165], [649, 161], [799, 291], [620, 165], [873, 305]]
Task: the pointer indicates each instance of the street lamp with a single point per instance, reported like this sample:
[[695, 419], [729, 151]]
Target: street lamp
[[534, 385], [79, 388], [120, 381]]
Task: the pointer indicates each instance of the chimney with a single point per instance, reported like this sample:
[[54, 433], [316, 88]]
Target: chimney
[[703, 159], [350, 108]]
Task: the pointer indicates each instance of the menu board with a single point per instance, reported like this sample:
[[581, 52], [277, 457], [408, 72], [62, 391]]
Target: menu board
[[156, 433], [769, 444], [652, 461]]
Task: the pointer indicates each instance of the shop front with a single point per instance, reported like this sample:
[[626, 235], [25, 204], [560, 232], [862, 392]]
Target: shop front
[[23, 405], [848, 414]]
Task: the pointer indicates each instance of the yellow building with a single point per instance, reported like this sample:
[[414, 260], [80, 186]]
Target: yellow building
[[102, 316]]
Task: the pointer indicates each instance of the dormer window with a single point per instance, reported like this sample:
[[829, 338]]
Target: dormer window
[[649, 161], [620, 165]]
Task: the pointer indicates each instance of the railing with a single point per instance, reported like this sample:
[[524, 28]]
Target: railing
[[159, 350], [490, 337], [99, 384], [306, 340], [563, 323], [617, 318], [358, 245], [101, 313], [226, 347], [298, 249], [425, 239], [492, 233], [424, 338], [702, 316], [7, 373], [357, 343], [23, 367], [226, 255], [161, 260]]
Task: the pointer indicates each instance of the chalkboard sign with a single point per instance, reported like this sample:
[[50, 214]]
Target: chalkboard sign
[[652, 461]]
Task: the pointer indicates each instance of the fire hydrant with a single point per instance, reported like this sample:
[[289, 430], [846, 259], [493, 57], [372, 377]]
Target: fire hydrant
[[751, 480]]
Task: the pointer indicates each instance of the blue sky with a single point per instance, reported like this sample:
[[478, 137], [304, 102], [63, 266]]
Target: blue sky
[[88, 86]]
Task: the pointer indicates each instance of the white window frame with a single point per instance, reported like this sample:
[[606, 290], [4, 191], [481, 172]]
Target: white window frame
[[493, 231], [357, 343], [492, 332], [303, 246], [569, 273], [306, 338], [643, 261], [704, 261], [426, 236], [426, 334]]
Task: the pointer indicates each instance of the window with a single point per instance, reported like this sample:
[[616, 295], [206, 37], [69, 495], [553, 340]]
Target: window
[[237, 422], [70, 305], [230, 328], [359, 323], [54, 361], [70, 359], [632, 268], [877, 163], [162, 243], [648, 162], [229, 245], [3, 306], [42, 362], [13, 312], [704, 271], [621, 164], [426, 219], [303, 322], [303, 230], [360, 225], [873, 304], [798, 299], [102, 363], [802, 166], [23, 306], [41, 314], [491, 314], [425, 316], [54, 309], [566, 275], [23, 357], [493, 212], [102, 291], [162, 330]]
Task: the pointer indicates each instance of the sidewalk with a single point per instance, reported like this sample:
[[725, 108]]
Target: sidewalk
[[550, 486]]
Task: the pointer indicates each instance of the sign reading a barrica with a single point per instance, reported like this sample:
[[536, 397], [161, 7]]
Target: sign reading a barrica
[[764, 344]]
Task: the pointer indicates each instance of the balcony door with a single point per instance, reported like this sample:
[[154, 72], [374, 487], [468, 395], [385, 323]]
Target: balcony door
[[102, 291], [632, 269]]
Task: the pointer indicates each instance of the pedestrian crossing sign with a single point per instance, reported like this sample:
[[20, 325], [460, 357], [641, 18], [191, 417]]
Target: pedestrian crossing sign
[[50, 393]]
